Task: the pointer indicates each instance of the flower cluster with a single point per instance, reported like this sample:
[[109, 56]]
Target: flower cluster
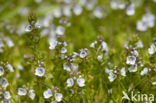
[[60, 56], [147, 21]]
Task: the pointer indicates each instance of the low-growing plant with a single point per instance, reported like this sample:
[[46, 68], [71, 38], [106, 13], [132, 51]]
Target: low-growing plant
[[75, 51]]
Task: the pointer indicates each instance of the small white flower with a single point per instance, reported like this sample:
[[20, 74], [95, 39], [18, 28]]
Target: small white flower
[[1, 44], [153, 83], [63, 50], [47, 93], [65, 44], [58, 97], [10, 68], [57, 12], [4, 82], [67, 11], [9, 42], [141, 26], [104, 46], [66, 67], [1, 71], [144, 71], [111, 77], [28, 28], [53, 102], [152, 49], [77, 10], [130, 10], [83, 54], [53, 44], [121, 6], [114, 4], [123, 72], [70, 82], [135, 52], [131, 60], [139, 44], [98, 12], [81, 82], [100, 57], [22, 91], [7, 95], [149, 19], [39, 71], [60, 30], [133, 68], [5, 101], [92, 45], [75, 54], [31, 94], [38, 25], [74, 67]]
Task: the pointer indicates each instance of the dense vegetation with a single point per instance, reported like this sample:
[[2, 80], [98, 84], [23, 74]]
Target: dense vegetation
[[77, 51]]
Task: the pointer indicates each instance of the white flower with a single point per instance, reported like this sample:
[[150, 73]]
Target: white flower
[[77, 10], [47, 93], [133, 68], [121, 6], [111, 77], [58, 97], [38, 25], [5, 101], [4, 82], [39, 71], [141, 26], [149, 19], [1, 71], [63, 50], [65, 44], [100, 57], [81, 82], [70, 82], [60, 30], [144, 71], [135, 52], [152, 49], [130, 10], [28, 28], [74, 67], [67, 11], [139, 44], [53, 102], [10, 68], [153, 83], [9, 42], [57, 12], [22, 91], [66, 67], [83, 54], [123, 72], [98, 12], [75, 54], [53, 44], [7, 95], [92, 45], [31, 94], [114, 4], [104, 46], [131, 60]]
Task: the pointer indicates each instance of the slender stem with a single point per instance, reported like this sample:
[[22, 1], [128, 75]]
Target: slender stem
[[43, 84]]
